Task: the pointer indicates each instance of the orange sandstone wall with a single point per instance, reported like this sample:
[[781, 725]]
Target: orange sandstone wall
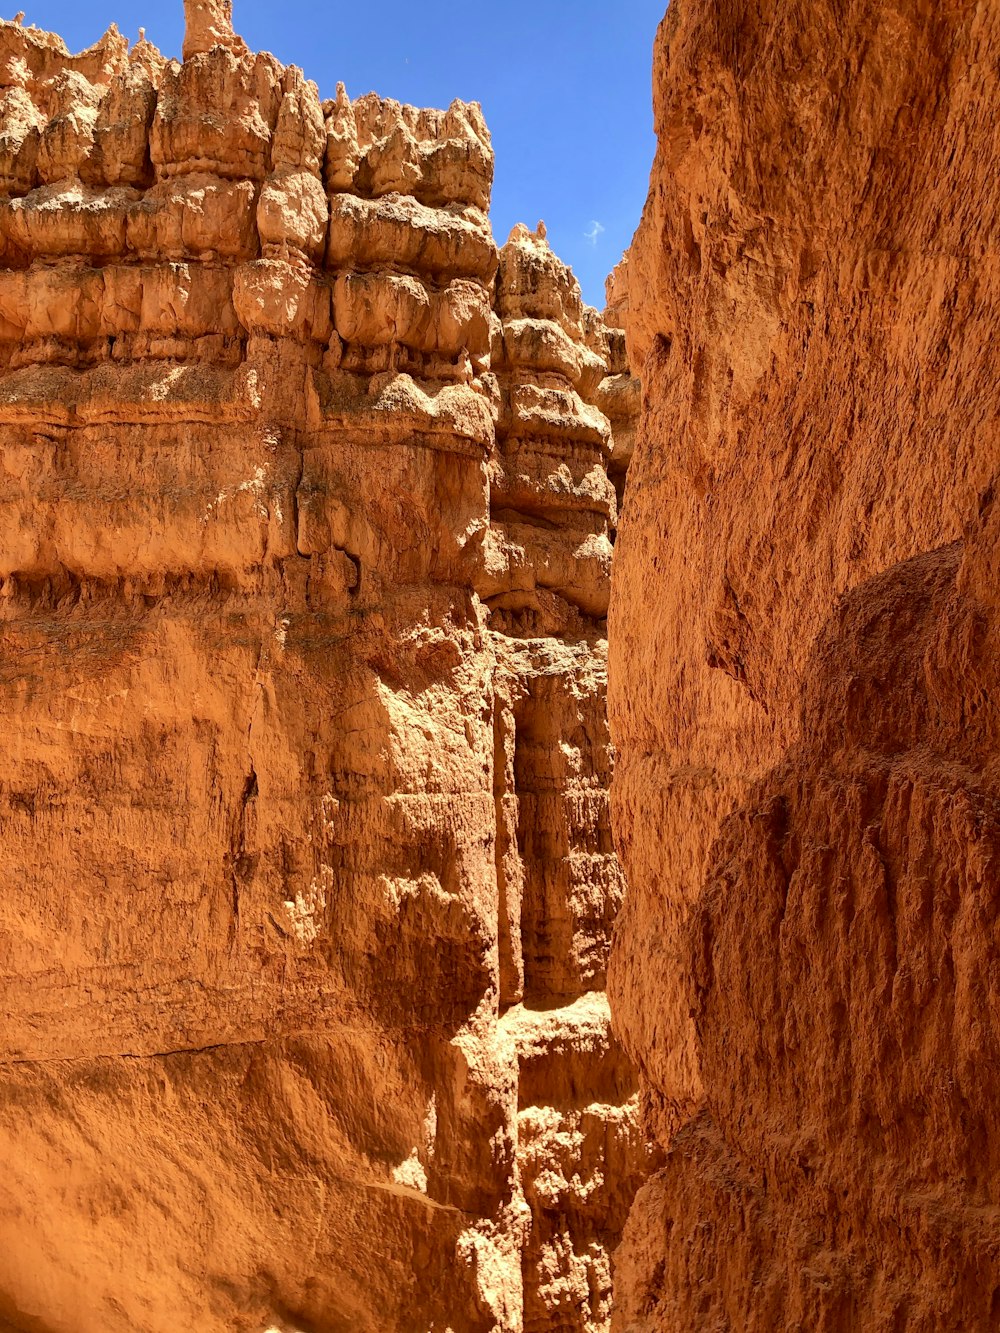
[[304, 567], [804, 643]]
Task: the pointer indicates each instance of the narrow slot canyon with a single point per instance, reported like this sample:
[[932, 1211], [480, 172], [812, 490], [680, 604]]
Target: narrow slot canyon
[[498, 823]]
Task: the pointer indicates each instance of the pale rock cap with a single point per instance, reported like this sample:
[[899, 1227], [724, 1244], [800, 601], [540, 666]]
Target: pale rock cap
[[207, 24], [521, 234]]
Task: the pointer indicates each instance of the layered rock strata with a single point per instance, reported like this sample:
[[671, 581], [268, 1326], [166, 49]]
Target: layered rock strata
[[804, 635], [545, 583], [303, 801]]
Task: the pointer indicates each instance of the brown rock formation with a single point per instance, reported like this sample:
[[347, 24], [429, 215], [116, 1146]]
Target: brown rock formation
[[804, 644], [308, 880], [545, 581], [619, 396]]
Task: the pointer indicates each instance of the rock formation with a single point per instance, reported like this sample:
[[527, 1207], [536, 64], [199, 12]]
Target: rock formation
[[308, 879], [619, 396], [804, 642], [545, 583]]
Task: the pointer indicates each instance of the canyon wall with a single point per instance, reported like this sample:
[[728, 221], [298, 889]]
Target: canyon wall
[[304, 568], [804, 641]]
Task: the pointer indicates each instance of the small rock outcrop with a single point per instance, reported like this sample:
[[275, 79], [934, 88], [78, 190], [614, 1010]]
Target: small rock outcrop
[[803, 675], [304, 568], [620, 394]]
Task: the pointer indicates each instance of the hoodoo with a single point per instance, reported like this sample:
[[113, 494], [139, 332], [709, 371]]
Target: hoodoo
[[308, 882], [207, 24]]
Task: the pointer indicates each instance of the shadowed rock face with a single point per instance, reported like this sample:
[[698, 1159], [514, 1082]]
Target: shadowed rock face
[[804, 638], [308, 879]]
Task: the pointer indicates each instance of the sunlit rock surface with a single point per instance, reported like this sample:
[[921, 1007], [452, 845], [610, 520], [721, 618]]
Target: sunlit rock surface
[[304, 563]]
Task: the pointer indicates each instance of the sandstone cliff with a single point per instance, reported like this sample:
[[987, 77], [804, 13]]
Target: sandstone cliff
[[803, 674], [308, 879]]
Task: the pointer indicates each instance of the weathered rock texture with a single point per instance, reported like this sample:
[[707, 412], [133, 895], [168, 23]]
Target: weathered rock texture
[[620, 393], [308, 879], [805, 632], [545, 583]]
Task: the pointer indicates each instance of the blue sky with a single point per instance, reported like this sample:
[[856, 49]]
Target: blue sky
[[565, 86]]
